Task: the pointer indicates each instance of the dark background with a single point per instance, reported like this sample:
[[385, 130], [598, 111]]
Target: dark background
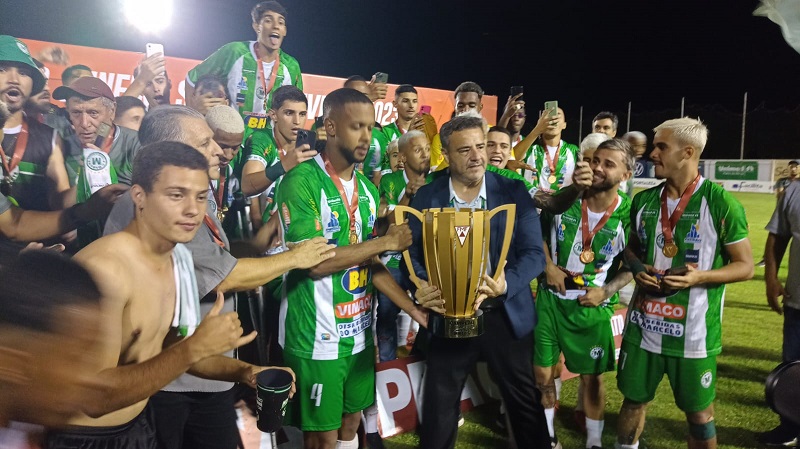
[[595, 54]]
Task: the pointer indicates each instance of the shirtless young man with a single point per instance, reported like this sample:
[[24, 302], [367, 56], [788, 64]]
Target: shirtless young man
[[134, 270]]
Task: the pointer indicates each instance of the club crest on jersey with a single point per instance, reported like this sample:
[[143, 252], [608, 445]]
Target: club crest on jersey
[[355, 280], [706, 379], [333, 224], [546, 171], [693, 236], [462, 232], [560, 232], [596, 353], [96, 161], [660, 240], [608, 248], [577, 248]]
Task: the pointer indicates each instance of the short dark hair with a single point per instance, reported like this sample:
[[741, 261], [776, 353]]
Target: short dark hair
[[455, 124], [288, 93], [404, 89], [354, 79], [469, 86], [337, 99], [151, 159], [622, 146], [211, 82], [125, 103], [499, 129], [37, 284], [260, 9], [793, 163], [607, 114], [164, 123], [69, 72]]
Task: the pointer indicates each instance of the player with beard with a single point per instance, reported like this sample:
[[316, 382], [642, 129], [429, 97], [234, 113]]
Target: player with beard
[[254, 70], [584, 247], [33, 171], [326, 312]]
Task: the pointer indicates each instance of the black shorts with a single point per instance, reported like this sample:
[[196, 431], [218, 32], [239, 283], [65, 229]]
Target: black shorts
[[136, 434]]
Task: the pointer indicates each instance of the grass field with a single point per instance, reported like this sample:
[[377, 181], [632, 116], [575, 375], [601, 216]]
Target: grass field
[[751, 349]]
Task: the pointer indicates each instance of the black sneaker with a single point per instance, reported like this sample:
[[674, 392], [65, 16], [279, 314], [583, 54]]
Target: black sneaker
[[778, 437], [374, 441]]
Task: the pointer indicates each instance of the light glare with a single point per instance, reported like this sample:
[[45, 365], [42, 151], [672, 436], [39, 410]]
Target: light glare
[[149, 16]]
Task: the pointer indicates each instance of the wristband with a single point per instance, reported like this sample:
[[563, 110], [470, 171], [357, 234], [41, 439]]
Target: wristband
[[274, 171]]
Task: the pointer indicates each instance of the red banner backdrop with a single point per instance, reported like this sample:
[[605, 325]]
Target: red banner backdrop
[[115, 67]]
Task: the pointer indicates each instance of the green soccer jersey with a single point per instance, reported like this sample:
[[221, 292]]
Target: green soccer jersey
[[687, 323], [376, 159], [564, 236], [237, 63], [393, 188], [330, 317], [262, 148], [568, 156], [392, 132]]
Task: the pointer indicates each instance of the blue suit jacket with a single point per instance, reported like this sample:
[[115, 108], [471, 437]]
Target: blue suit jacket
[[525, 257]]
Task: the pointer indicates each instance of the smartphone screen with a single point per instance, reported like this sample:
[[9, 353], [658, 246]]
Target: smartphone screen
[[150, 49], [425, 109], [553, 105], [516, 90], [381, 77]]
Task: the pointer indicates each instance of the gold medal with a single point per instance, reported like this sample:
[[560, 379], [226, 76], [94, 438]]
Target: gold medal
[[353, 237], [670, 249], [221, 213], [551, 179], [587, 256]]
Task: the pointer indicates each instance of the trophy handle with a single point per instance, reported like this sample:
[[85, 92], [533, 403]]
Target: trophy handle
[[399, 217], [511, 215]]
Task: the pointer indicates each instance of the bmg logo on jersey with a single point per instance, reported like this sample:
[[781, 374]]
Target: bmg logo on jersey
[[354, 280], [333, 224]]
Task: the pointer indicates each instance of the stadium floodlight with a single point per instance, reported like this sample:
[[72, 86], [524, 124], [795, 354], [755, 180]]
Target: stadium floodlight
[[149, 16]]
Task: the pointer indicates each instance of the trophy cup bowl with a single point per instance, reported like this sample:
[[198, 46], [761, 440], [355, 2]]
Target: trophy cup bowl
[[456, 250]]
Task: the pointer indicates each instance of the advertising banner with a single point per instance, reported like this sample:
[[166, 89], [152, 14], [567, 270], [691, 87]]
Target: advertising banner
[[736, 170], [116, 67], [399, 387]]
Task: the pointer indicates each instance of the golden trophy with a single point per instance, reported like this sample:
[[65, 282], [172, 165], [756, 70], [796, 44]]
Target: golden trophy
[[457, 251]]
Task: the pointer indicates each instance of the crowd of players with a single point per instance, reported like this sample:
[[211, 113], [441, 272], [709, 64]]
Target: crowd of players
[[170, 211]]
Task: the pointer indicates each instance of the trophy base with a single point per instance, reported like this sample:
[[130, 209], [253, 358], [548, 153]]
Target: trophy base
[[451, 327]]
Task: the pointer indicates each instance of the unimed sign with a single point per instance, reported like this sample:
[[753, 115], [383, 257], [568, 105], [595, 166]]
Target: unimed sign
[[736, 170]]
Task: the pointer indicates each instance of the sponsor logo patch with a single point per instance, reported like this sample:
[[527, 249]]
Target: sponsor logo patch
[[665, 310], [354, 280]]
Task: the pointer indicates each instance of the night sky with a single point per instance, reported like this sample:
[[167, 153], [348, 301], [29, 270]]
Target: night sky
[[580, 52]]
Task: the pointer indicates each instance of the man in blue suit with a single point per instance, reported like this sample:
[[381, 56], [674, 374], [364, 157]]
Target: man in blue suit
[[508, 309]]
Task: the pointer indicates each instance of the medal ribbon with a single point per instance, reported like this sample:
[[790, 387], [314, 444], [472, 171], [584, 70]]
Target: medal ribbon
[[19, 150], [552, 162], [589, 235], [220, 193], [215, 234], [352, 206], [272, 77], [668, 224]]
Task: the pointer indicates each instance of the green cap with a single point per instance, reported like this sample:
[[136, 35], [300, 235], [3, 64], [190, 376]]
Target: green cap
[[13, 50]]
